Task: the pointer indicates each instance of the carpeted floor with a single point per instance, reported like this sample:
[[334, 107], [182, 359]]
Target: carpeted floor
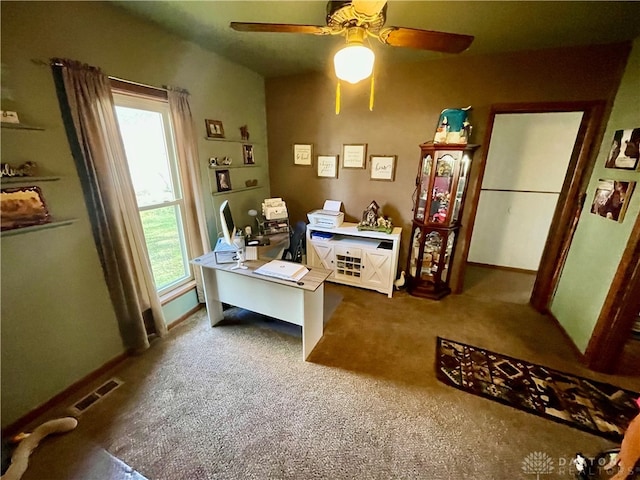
[[236, 401]]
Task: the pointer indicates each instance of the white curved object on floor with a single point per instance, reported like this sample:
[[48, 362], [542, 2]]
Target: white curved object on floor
[[20, 458]]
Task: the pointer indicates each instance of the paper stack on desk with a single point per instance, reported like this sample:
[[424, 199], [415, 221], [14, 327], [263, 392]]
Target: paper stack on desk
[[283, 270]]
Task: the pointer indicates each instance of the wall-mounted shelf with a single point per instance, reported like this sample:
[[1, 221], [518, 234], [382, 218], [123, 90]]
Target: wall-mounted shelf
[[5, 180], [20, 126], [246, 142], [35, 228], [224, 167], [235, 190]]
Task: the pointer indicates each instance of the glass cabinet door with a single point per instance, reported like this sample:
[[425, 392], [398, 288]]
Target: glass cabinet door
[[423, 190], [462, 182], [442, 183], [451, 238]]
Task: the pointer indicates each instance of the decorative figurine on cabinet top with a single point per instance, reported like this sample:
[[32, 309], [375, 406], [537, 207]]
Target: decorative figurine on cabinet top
[[453, 126], [372, 220]]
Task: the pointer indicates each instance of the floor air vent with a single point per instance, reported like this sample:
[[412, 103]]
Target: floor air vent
[[98, 394]]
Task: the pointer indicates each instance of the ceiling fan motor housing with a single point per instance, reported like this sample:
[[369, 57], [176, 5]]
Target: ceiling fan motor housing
[[341, 14]]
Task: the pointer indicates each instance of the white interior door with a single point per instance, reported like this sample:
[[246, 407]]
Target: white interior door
[[526, 165]]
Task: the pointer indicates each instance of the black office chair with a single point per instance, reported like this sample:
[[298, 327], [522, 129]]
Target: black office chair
[[296, 243]]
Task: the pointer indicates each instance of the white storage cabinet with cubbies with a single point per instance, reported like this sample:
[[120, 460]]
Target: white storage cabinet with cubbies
[[365, 259]]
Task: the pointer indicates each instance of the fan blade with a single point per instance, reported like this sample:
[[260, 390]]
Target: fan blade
[[368, 7], [279, 28], [425, 39]]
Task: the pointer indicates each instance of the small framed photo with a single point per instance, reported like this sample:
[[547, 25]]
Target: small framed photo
[[223, 180], [612, 198], [328, 166], [383, 167], [302, 154], [354, 155], [247, 154], [214, 128], [624, 151]]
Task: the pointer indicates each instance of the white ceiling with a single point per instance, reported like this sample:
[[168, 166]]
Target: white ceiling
[[498, 26]]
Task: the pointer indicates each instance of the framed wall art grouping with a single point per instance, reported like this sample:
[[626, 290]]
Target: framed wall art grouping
[[303, 154], [353, 155], [612, 198], [624, 151], [214, 128], [383, 167], [327, 166]]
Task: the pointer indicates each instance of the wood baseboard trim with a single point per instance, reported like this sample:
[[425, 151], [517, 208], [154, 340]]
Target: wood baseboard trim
[[22, 422], [178, 321], [500, 267]]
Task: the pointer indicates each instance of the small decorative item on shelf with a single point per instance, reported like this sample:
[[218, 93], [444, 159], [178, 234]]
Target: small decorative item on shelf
[[372, 220], [453, 126], [214, 128], [9, 117], [251, 183], [27, 169], [213, 162], [244, 133], [22, 207], [225, 161]]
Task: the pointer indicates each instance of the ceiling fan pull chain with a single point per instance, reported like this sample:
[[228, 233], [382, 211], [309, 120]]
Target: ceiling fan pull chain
[[371, 92], [338, 98]]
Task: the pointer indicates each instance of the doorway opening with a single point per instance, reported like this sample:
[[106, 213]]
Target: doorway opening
[[547, 231]]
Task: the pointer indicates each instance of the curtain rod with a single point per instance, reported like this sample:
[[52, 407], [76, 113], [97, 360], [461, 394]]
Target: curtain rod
[[47, 63], [138, 84], [164, 89]]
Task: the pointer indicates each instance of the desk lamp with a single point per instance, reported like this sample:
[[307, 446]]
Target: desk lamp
[[254, 213]]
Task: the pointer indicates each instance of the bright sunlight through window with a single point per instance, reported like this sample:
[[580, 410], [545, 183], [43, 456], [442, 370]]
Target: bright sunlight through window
[[148, 140]]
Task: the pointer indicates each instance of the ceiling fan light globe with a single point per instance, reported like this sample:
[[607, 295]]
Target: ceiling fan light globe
[[354, 63]]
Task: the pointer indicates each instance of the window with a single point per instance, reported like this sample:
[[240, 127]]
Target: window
[[145, 127]]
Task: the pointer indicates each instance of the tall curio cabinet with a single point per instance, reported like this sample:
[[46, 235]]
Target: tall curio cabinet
[[441, 185]]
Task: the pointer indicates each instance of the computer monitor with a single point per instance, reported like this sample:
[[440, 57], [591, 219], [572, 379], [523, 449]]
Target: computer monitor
[[228, 227]]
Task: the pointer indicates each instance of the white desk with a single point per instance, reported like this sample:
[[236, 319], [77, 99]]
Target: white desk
[[299, 304]]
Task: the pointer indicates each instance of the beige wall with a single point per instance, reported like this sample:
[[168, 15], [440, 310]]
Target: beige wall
[[58, 324], [408, 101]]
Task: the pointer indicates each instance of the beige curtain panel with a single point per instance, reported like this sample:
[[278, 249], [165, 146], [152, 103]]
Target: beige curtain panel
[[187, 148], [88, 110]]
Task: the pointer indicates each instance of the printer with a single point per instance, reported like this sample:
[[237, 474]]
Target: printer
[[274, 208], [329, 217]]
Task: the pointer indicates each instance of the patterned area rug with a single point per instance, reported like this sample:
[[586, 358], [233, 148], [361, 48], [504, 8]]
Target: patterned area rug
[[591, 406]]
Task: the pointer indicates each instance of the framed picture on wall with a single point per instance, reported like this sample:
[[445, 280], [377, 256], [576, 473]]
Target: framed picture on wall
[[214, 128], [247, 154], [612, 198], [302, 154], [22, 207], [223, 180], [328, 166], [353, 155], [383, 167], [624, 150]]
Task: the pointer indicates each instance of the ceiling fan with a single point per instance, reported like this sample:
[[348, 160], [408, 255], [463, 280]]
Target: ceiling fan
[[357, 20]]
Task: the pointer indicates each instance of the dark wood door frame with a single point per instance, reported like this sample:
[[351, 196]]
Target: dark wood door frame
[[577, 177], [620, 309]]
